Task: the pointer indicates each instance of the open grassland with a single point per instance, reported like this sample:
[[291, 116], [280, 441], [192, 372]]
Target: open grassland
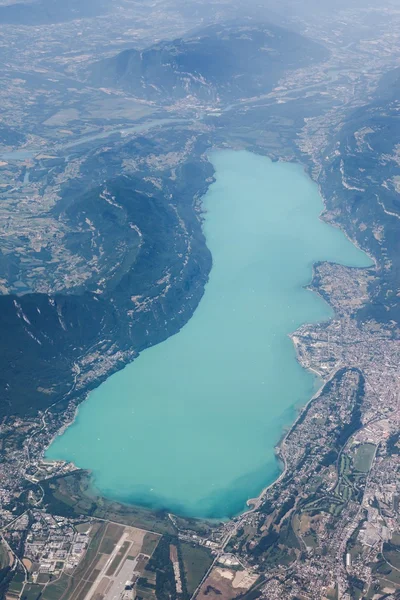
[[196, 562], [150, 543], [364, 457]]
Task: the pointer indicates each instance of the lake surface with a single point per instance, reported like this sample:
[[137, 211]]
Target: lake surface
[[192, 423]]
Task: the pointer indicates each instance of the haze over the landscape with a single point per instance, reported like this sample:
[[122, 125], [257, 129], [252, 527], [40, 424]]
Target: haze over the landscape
[[199, 300]]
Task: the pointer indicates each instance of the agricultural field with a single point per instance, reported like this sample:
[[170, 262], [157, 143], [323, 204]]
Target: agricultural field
[[32, 592], [226, 584], [388, 576], [391, 552], [17, 584]]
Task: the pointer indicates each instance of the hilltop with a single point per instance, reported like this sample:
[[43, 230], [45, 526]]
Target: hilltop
[[219, 64]]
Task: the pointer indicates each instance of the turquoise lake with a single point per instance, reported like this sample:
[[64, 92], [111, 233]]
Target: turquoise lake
[[191, 424]]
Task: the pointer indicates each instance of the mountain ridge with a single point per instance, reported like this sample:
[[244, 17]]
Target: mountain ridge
[[219, 64]]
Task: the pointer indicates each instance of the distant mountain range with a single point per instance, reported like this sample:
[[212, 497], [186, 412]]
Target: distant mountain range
[[219, 64]]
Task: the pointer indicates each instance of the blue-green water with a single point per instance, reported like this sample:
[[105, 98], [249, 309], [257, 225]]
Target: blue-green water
[[191, 424]]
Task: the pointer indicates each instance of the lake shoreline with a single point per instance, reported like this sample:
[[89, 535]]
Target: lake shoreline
[[252, 302]]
